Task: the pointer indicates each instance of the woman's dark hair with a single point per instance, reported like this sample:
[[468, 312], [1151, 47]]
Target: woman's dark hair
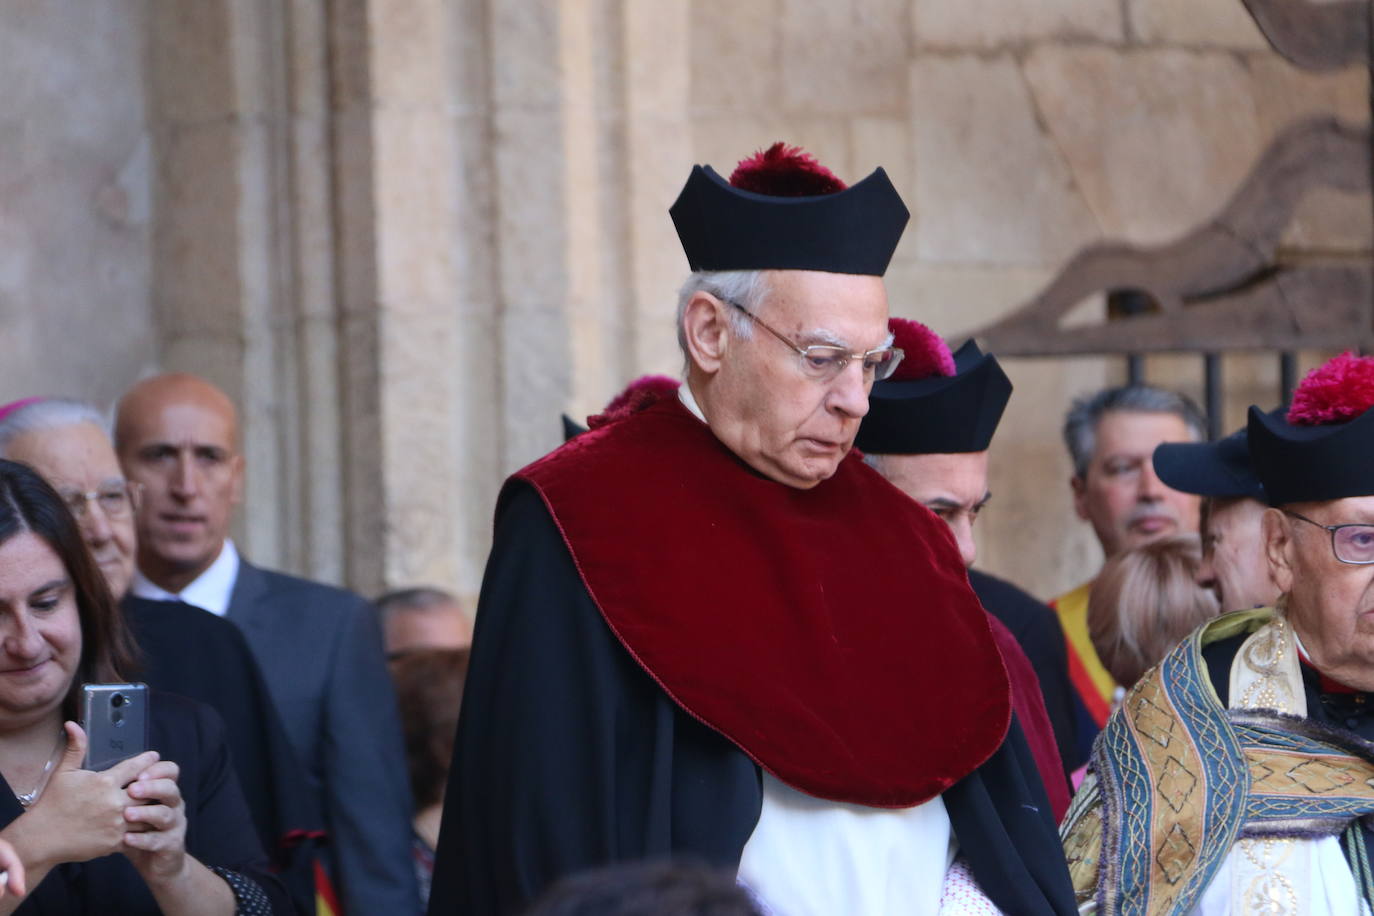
[[28, 503], [429, 691]]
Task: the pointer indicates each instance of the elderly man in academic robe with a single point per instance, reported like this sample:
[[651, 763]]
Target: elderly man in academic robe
[[1238, 776], [708, 630]]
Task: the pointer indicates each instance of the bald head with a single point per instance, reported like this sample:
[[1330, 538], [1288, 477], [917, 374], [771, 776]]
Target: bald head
[[174, 390], [177, 435]]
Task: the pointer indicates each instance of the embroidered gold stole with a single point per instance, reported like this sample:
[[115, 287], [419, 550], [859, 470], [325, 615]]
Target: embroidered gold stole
[[1178, 780]]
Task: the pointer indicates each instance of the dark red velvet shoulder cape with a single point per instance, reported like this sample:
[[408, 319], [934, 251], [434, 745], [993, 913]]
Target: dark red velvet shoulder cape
[[829, 633]]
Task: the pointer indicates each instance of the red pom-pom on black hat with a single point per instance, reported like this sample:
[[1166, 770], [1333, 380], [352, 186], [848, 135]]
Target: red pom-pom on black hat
[[1340, 389], [785, 171], [925, 353], [640, 394]]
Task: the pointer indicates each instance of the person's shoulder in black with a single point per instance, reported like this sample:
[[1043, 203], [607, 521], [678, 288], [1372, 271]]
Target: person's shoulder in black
[[1036, 628]]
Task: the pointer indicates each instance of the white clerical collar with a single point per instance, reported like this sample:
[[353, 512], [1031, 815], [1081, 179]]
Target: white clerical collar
[[210, 591], [684, 394]]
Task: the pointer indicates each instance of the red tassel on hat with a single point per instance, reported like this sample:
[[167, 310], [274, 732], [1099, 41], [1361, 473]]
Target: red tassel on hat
[[785, 171], [926, 353], [1340, 389], [643, 392]]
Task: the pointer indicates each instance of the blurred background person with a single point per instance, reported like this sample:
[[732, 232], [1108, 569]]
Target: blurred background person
[[423, 618], [1233, 560], [1111, 436], [1144, 602], [429, 691], [175, 811]]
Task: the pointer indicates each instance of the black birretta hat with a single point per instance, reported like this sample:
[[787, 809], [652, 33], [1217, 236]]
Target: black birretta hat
[[781, 210], [1321, 450], [1220, 469], [937, 406]]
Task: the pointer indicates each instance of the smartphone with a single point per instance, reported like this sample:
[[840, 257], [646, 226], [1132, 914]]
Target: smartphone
[[115, 719]]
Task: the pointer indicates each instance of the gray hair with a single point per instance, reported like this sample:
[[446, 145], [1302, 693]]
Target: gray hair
[[423, 598], [1080, 424], [49, 413], [747, 287]]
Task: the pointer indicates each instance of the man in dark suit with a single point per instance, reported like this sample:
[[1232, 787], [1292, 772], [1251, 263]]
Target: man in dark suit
[[319, 647]]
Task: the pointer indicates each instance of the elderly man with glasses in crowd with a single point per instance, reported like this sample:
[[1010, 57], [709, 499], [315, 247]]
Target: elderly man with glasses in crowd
[[1238, 776], [707, 629]]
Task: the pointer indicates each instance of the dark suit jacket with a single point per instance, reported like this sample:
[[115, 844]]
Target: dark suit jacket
[[320, 649]]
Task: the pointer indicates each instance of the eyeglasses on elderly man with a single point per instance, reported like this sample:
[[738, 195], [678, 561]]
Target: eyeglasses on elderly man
[[825, 362]]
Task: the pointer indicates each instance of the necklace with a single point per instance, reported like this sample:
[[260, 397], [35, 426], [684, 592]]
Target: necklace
[[28, 798]]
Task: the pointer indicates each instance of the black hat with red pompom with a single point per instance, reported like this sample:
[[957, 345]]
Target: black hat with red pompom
[[641, 394], [936, 402], [783, 210], [1321, 450]]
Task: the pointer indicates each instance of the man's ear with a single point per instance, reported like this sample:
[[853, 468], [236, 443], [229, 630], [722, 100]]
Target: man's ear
[[1080, 496], [706, 331], [1278, 549]]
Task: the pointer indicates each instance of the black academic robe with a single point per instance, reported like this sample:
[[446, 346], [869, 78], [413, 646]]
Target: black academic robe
[[569, 755], [1036, 628], [219, 830]]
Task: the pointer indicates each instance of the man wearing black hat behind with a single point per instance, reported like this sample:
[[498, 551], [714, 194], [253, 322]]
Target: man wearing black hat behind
[[928, 430], [1233, 561], [1238, 776], [706, 630]]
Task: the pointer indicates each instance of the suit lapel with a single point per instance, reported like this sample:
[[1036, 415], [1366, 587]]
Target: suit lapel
[[245, 601]]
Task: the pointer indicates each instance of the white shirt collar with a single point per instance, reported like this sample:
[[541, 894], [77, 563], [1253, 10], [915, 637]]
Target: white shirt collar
[[210, 591], [684, 394]]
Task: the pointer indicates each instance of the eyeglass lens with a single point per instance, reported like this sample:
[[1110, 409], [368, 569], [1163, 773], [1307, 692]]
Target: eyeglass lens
[[115, 502], [1354, 543]]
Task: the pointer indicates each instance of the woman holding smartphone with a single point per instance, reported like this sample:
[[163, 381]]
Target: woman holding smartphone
[[165, 831]]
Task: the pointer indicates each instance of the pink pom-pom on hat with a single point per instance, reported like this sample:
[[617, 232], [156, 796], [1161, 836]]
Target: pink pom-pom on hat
[[642, 393], [785, 171], [925, 352], [1340, 389]]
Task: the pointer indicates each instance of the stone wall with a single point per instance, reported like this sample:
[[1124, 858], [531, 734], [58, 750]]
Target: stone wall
[[407, 234], [75, 317]]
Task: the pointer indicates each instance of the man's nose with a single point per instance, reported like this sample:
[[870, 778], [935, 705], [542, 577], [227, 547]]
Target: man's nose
[[963, 536], [849, 392], [1206, 576], [184, 481], [95, 524], [1149, 488]]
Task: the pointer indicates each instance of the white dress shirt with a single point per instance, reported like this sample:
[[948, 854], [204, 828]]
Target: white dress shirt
[[210, 591]]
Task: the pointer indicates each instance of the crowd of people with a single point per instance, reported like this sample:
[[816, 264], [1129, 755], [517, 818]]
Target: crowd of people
[[731, 654]]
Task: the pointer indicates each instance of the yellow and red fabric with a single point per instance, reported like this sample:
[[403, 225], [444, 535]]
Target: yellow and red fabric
[[1095, 686]]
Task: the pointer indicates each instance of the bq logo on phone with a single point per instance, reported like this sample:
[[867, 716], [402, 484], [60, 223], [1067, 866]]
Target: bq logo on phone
[[115, 719]]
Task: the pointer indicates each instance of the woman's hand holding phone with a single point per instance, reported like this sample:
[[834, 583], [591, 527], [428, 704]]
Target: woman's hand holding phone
[[156, 837], [80, 815]]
